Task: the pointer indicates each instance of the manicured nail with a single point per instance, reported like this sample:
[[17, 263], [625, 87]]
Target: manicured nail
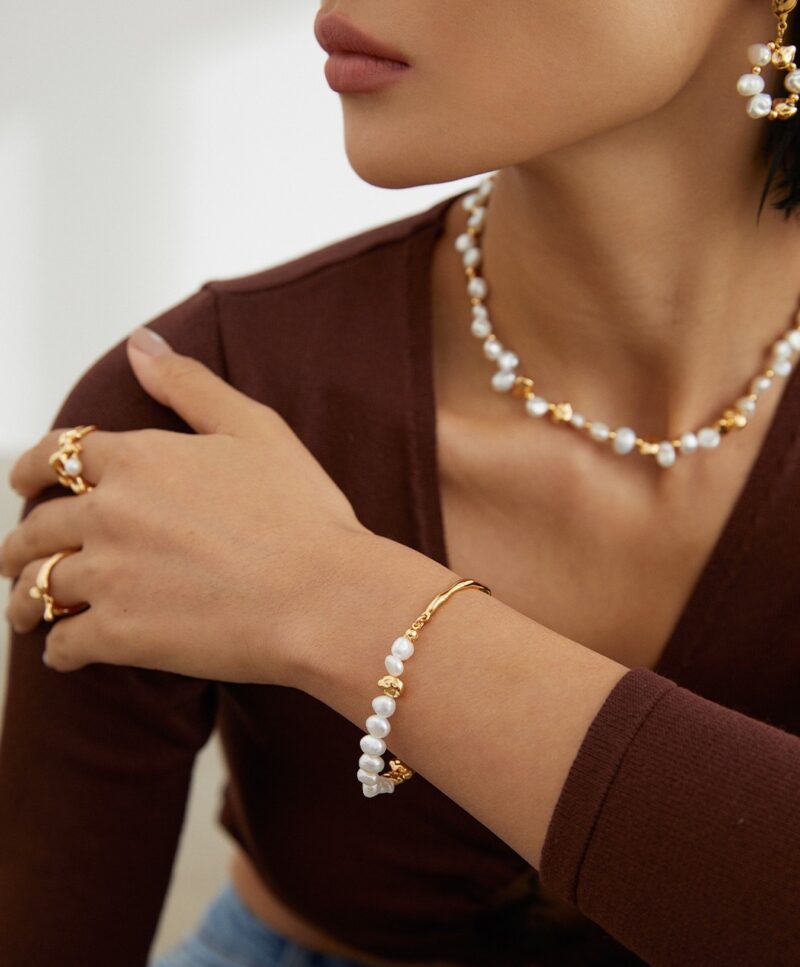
[[149, 342]]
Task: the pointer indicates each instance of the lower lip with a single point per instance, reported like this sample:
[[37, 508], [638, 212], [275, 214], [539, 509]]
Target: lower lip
[[350, 73]]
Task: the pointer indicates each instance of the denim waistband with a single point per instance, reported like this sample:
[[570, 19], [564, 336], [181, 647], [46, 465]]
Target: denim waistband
[[230, 935]]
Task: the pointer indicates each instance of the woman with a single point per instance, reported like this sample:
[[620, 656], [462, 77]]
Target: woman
[[282, 545]]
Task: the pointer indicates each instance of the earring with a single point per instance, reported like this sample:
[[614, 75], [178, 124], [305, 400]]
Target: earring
[[761, 104]]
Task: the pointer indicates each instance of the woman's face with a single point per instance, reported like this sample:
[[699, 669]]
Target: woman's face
[[499, 82]]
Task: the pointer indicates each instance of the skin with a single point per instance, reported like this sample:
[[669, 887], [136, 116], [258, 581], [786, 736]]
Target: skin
[[622, 229]]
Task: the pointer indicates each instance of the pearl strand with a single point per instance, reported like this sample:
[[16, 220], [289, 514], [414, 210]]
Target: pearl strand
[[373, 746], [624, 439]]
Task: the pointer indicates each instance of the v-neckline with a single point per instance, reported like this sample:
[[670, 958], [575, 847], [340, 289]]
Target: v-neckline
[[704, 603]]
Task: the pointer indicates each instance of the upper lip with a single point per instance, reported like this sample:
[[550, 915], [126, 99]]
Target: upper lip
[[335, 34]]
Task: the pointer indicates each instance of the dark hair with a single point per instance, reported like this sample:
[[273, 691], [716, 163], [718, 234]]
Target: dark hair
[[781, 150]]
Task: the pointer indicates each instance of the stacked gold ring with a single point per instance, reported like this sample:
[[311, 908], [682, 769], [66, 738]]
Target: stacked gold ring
[[66, 461], [41, 589]]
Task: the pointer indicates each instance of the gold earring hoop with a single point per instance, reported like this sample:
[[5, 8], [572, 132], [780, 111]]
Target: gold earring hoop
[[751, 85]]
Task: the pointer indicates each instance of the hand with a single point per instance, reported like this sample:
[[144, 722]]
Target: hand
[[196, 553]]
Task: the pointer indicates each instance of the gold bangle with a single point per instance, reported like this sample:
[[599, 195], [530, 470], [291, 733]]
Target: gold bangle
[[373, 781]]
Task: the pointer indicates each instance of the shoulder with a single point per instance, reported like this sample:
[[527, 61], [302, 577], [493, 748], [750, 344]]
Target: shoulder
[[240, 327], [352, 254], [109, 395]]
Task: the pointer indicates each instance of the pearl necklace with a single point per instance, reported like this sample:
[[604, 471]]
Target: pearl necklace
[[623, 439]]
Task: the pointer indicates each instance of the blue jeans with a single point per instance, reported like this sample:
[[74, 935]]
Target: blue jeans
[[229, 935]]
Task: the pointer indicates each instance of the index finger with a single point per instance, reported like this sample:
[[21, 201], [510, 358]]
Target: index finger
[[32, 472]]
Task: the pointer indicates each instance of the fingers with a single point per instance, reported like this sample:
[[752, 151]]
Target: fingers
[[54, 525], [71, 638], [70, 642], [200, 397], [24, 612], [32, 472]]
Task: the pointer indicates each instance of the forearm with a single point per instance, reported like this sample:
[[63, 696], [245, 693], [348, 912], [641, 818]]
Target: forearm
[[495, 705]]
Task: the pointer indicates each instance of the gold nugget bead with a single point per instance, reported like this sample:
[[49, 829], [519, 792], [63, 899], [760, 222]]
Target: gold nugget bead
[[562, 412], [398, 772], [391, 685], [647, 447], [523, 386]]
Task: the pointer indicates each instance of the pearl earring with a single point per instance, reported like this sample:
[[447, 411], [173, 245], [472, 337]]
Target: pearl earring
[[761, 104]]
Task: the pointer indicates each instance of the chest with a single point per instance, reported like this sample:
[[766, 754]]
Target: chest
[[594, 550]]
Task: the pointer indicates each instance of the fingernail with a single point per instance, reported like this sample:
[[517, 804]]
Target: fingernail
[[45, 659], [149, 342]]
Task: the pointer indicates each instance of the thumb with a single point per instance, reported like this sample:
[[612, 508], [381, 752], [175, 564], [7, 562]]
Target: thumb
[[201, 398]]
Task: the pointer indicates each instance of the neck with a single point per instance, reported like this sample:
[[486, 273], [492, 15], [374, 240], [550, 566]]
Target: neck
[[628, 272]]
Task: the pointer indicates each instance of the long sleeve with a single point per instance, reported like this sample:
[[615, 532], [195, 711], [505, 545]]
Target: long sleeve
[[678, 829], [95, 765]]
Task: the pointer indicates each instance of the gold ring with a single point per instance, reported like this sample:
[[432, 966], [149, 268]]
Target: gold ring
[[66, 461], [41, 590]]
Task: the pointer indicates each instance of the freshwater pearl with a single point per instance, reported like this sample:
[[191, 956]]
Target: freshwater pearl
[[470, 201], [708, 437], [367, 778], [793, 337], [750, 84], [492, 348], [760, 385], [464, 241], [782, 367], [782, 349], [485, 187], [745, 405], [477, 218], [792, 82], [371, 763], [665, 457], [480, 311], [478, 288], [508, 360], [472, 257], [384, 706], [73, 466], [378, 725], [578, 420], [481, 328], [689, 443], [372, 745], [385, 785], [759, 55], [599, 431], [503, 381], [393, 665], [402, 648], [537, 406], [370, 791], [625, 440], [759, 106]]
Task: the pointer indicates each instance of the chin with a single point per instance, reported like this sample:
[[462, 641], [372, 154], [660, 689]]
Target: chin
[[399, 163]]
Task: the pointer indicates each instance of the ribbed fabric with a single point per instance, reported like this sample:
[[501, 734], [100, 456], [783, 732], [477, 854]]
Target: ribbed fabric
[[678, 829], [684, 785]]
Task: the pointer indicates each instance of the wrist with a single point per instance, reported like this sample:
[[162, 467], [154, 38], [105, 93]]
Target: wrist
[[382, 588]]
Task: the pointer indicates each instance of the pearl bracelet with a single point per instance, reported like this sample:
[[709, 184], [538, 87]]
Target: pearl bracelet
[[373, 746]]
